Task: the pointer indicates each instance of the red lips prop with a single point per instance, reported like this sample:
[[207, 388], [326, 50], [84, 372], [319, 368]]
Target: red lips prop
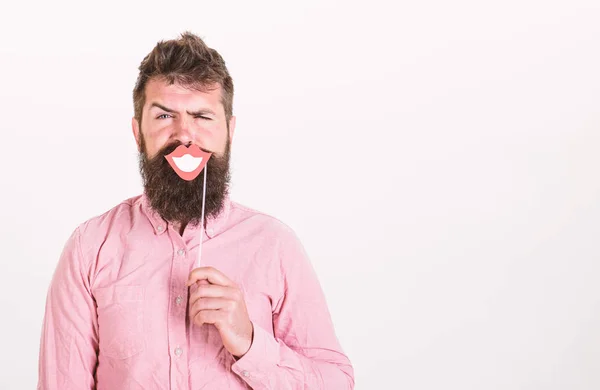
[[188, 162]]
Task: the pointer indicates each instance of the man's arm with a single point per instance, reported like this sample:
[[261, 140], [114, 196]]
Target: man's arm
[[69, 339], [305, 352]]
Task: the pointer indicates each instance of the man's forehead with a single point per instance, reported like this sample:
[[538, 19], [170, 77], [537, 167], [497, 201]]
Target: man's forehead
[[178, 94]]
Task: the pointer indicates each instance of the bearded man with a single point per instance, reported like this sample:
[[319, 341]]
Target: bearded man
[[181, 287]]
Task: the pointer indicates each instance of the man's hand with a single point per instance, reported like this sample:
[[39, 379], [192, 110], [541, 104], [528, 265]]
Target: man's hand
[[216, 300]]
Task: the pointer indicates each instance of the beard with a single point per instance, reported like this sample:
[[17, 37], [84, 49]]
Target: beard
[[180, 201]]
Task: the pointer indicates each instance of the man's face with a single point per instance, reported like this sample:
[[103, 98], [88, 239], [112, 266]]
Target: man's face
[[174, 115]]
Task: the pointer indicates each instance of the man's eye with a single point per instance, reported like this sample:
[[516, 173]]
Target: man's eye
[[202, 117], [161, 115]]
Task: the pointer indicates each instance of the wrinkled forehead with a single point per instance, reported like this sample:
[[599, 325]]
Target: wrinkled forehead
[[182, 97]]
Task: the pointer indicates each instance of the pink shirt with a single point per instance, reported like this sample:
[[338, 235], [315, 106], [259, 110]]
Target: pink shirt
[[116, 310]]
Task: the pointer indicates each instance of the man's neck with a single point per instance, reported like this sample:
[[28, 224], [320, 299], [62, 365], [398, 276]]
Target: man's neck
[[179, 227]]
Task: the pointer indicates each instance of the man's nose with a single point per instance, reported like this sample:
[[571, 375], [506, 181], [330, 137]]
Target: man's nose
[[184, 131]]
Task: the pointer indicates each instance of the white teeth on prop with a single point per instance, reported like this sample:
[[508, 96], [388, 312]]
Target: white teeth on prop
[[187, 162]]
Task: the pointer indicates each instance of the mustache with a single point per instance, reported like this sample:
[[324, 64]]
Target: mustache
[[169, 148]]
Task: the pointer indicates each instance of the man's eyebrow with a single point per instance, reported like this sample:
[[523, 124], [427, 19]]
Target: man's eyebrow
[[154, 104], [202, 111]]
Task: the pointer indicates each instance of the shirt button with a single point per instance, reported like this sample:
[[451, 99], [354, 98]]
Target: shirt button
[[178, 351], [180, 252], [160, 228], [245, 373], [210, 231], [178, 300]]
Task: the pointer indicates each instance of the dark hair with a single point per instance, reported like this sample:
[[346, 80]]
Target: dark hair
[[189, 62]]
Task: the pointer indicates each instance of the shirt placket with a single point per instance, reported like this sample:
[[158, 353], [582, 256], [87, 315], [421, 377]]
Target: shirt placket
[[177, 313]]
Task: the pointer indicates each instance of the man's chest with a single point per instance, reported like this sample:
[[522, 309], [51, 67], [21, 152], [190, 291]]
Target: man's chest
[[142, 298]]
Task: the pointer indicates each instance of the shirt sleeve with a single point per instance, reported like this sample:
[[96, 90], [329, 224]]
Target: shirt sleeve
[[69, 339], [304, 352]]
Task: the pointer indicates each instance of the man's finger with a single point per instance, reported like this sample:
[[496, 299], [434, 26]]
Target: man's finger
[[212, 291], [207, 317], [211, 274], [211, 304]]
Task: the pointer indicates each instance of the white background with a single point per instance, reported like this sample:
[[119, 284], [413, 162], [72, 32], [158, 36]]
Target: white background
[[439, 160]]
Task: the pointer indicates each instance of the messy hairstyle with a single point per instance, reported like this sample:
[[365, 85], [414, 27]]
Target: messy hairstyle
[[187, 61]]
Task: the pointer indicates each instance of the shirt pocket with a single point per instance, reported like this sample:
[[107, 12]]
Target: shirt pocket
[[120, 320]]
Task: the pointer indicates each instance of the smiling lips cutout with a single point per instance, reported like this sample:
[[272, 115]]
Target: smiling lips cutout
[[188, 162]]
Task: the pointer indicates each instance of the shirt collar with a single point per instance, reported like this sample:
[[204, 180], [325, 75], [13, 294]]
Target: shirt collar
[[213, 225]]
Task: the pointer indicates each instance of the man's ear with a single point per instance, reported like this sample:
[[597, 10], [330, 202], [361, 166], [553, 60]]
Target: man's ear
[[231, 127], [135, 127]]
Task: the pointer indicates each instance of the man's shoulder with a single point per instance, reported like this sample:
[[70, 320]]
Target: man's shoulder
[[262, 221], [271, 233], [115, 216]]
